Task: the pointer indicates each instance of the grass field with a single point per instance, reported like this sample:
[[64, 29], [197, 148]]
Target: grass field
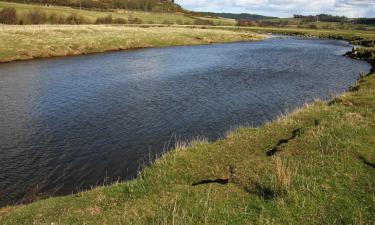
[[40, 41], [90, 16], [314, 166]]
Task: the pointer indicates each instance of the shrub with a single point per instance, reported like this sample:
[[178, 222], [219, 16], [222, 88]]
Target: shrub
[[135, 20], [179, 22], [203, 22], [53, 18], [61, 20], [167, 22], [8, 16], [74, 19], [313, 26], [104, 20], [36, 17], [120, 21]]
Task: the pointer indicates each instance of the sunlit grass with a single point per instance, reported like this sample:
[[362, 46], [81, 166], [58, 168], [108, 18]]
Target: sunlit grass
[[39, 41]]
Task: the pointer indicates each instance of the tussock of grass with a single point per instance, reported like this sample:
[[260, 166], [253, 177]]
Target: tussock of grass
[[40, 41], [181, 144], [324, 175]]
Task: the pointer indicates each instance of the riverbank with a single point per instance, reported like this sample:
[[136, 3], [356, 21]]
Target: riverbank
[[316, 163], [42, 41]]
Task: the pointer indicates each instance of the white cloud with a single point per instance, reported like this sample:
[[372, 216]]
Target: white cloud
[[285, 8]]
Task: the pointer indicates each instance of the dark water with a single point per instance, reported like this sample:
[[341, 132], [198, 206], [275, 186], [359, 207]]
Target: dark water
[[68, 123]]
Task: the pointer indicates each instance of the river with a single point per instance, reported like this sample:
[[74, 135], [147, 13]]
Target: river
[[67, 124]]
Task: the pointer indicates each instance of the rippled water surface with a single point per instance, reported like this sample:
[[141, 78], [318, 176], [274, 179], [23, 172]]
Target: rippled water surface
[[68, 123]]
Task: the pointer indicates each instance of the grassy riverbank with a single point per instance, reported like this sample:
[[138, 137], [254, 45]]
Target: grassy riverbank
[[33, 41]]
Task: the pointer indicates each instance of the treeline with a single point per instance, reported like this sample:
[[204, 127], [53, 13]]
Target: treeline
[[323, 18], [263, 23], [141, 5], [236, 16], [300, 24], [368, 21], [339, 19]]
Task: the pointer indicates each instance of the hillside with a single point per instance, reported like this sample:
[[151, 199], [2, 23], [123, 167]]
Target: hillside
[[237, 16], [141, 5], [28, 13]]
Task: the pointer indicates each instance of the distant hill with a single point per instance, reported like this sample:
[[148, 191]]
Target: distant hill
[[140, 5], [235, 16]]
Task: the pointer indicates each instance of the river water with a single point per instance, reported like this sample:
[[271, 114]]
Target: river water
[[69, 123]]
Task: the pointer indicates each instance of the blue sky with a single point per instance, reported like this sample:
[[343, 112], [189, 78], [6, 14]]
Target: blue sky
[[285, 8]]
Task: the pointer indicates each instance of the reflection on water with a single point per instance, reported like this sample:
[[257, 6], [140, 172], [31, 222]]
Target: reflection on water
[[68, 123]]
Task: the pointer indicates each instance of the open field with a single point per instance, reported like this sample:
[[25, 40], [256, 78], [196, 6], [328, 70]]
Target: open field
[[90, 16], [34, 41]]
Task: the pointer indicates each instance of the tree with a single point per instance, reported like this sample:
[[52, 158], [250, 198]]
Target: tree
[[36, 17], [8, 16]]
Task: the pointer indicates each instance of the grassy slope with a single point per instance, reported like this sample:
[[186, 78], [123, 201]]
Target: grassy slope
[[26, 42], [325, 175], [91, 15]]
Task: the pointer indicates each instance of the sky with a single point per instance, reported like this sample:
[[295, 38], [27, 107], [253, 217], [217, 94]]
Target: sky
[[285, 8]]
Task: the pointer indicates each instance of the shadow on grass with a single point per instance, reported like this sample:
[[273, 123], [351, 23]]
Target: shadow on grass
[[215, 181], [277, 148], [261, 190], [366, 162]]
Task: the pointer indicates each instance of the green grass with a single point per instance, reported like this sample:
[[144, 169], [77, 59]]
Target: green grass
[[90, 16], [324, 174], [28, 42]]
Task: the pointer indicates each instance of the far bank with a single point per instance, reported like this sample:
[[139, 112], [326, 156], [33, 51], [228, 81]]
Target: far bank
[[22, 42]]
